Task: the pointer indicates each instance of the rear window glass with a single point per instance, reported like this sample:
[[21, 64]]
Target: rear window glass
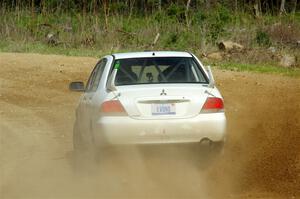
[[158, 70]]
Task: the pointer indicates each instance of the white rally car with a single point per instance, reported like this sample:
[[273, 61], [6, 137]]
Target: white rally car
[[155, 97]]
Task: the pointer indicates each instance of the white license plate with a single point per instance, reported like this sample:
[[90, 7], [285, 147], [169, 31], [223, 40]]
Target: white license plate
[[163, 109]]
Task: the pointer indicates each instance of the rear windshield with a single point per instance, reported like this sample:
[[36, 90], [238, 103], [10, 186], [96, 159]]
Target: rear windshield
[[158, 70]]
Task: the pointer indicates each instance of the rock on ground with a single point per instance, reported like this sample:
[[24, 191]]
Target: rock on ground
[[287, 61], [215, 56], [229, 46]]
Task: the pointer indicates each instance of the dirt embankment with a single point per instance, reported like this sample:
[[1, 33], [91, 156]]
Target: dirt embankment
[[261, 158]]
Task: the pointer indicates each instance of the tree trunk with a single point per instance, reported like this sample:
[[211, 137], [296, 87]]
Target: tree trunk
[[236, 6], [131, 6], [294, 7], [42, 6], [207, 4], [257, 8], [187, 13], [159, 5], [84, 7], [32, 8], [282, 7], [106, 13], [94, 7], [95, 13]]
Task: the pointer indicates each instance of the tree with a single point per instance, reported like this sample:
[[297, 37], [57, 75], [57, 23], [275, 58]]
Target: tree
[[282, 7], [187, 13], [294, 7]]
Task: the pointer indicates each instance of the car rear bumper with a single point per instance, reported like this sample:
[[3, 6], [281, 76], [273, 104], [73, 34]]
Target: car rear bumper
[[126, 130]]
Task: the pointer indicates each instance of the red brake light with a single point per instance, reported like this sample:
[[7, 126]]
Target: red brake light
[[113, 106], [213, 105]]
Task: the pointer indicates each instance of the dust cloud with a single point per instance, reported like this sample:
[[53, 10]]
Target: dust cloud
[[261, 157]]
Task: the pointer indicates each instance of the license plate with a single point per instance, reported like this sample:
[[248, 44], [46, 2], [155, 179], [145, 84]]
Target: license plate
[[163, 109]]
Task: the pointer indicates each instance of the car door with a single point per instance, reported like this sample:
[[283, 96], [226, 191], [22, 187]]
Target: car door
[[83, 113], [91, 90]]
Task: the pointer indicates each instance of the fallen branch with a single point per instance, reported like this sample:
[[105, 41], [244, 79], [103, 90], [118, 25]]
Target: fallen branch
[[155, 39]]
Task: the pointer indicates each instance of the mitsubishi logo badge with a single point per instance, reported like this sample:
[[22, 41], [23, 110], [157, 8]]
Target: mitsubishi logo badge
[[163, 92]]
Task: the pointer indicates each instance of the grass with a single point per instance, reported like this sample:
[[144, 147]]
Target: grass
[[37, 47], [260, 68]]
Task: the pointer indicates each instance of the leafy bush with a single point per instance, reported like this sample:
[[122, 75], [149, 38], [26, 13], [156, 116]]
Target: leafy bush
[[176, 11], [118, 7], [172, 39], [262, 38], [199, 17], [213, 23], [285, 33], [217, 23]]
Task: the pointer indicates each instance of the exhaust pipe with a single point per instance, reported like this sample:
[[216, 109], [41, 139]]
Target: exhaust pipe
[[206, 142]]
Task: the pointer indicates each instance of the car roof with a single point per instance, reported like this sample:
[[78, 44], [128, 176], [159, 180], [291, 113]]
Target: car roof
[[151, 54]]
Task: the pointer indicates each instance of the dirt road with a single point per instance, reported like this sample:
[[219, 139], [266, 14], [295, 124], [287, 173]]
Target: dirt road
[[261, 158]]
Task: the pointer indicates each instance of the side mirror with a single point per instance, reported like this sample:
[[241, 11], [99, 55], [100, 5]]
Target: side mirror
[[211, 78], [77, 86], [111, 81]]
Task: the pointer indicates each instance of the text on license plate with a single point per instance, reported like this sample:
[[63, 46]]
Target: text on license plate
[[163, 109]]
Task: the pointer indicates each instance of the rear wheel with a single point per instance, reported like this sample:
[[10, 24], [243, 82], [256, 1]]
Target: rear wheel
[[85, 154], [209, 152], [78, 144], [217, 149]]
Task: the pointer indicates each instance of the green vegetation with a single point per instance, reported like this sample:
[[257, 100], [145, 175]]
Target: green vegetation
[[294, 72], [95, 28], [37, 47]]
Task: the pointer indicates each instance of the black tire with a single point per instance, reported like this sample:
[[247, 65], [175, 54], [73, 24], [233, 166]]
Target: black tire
[[78, 144], [209, 153], [85, 154], [217, 148]]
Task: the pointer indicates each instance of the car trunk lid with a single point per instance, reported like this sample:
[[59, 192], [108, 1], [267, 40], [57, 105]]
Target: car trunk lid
[[162, 101]]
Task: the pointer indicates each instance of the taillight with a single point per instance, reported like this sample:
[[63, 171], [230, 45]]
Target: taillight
[[213, 105], [112, 106]]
